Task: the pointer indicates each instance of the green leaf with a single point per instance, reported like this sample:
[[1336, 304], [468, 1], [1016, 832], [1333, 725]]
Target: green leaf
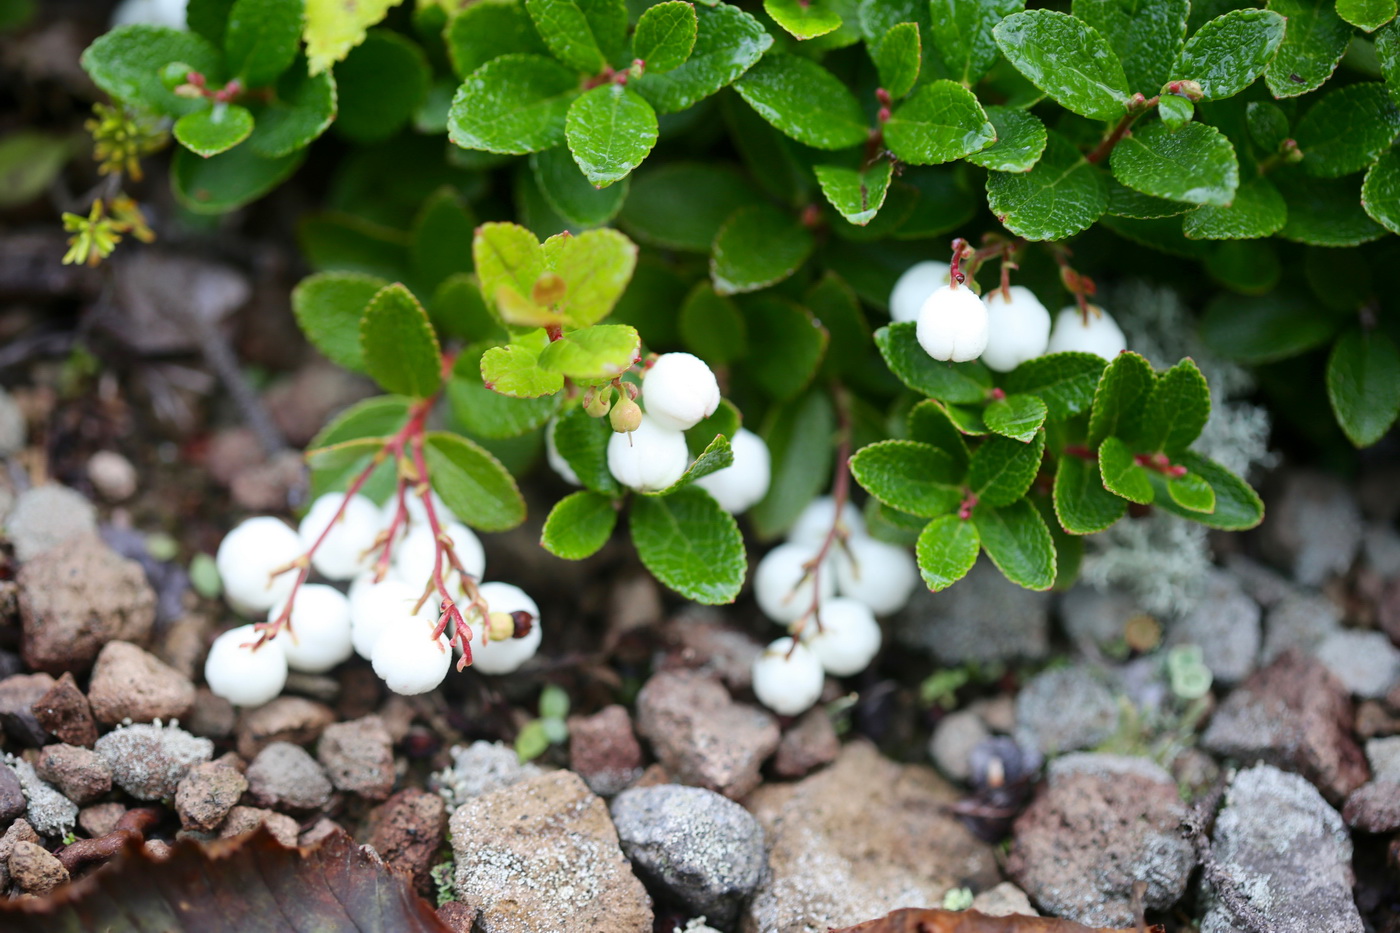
[[1387, 48], [1062, 195], [665, 35], [857, 195], [262, 39], [804, 101], [1257, 211], [946, 550], [897, 57], [1195, 164], [682, 205], [229, 180], [208, 18], [949, 382], [758, 246], [1369, 15], [218, 129], [1067, 59], [1082, 505], [400, 350], [967, 420], [1018, 542], [1016, 416], [716, 456], [380, 85], [328, 307], [29, 162], [1176, 410], [1380, 195], [607, 20], [300, 109], [915, 478], [1121, 473], [1268, 125], [962, 35], [593, 355], [712, 327], [1363, 385], [804, 19], [1125, 202], [1123, 387], [488, 29], [786, 345], [515, 104], [334, 28], [1228, 53], [579, 525], [373, 419], [128, 61], [727, 44], [515, 370], [1066, 382], [1347, 129], [1325, 211], [940, 122], [610, 130], [506, 257], [1261, 329], [800, 436], [568, 34], [1237, 506], [1175, 111], [570, 194], [838, 310], [487, 414], [929, 423], [1003, 469], [1146, 35], [1020, 140], [441, 235], [596, 266], [1191, 492], [690, 544], [1313, 44], [725, 421], [583, 443], [472, 483]]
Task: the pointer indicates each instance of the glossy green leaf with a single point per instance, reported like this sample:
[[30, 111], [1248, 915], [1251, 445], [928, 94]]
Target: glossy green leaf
[[1082, 505], [949, 382], [127, 63], [786, 345], [373, 419], [1060, 196], [1268, 125], [1313, 44], [1237, 506], [929, 423], [400, 350], [596, 266], [1123, 387], [515, 104], [593, 355], [442, 234], [1121, 473], [1380, 195], [1195, 164], [1257, 211], [836, 306], [1002, 469], [229, 180], [940, 122], [1261, 329], [1018, 542], [514, 370], [946, 550], [1020, 140], [488, 29], [804, 101], [690, 544], [1228, 53], [1018, 417], [301, 108], [218, 129], [804, 19], [724, 421], [1325, 211], [727, 43], [583, 443], [1067, 59], [712, 327], [962, 35], [208, 18], [1174, 111], [610, 130], [1146, 35], [1363, 385], [1125, 202], [915, 478], [967, 419], [665, 35], [506, 257], [1387, 49], [29, 163], [579, 525], [380, 85], [344, 243], [328, 307], [566, 30], [800, 435], [683, 205], [472, 483], [262, 39], [487, 414], [1176, 410], [1191, 492], [856, 194], [897, 57], [1347, 129], [570, 194], [757, 246], [1369, 15], [1066, 382]]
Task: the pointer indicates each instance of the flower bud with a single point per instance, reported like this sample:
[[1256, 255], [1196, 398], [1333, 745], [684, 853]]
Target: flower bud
[[626, 416], [913, 288], [1100, 335], [649, 458], [597, 401], [1017, 330], [680, 391], [953, 324]]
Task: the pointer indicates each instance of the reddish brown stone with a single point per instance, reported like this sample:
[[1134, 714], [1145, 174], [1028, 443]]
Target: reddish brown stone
[[1374, 807], [285, 719], [407, 830], [807, 746], [458, 916], [65, 712], [604, 750]]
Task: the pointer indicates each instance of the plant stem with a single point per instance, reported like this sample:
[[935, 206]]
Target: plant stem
[[1136, 108], [840, 493]]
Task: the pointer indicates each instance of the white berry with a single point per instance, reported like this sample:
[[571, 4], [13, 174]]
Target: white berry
[[913, 288], [649, 458], [848, 639], [739, 486], [1017, 330], [880, 575], [241, 675], [345, 550], [375, 606], [415, 556], [505, 656], [319, 637], [248, 555], [953, 324], [556, 460], [1101, 336], [408, 659], [416, 511], [169, 13], [679, 391], [786, 678], [783, 586], [814, 523]]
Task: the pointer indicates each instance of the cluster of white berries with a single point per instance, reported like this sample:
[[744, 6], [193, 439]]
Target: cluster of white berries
[[1005, 329], [390, 622], [859, 579]]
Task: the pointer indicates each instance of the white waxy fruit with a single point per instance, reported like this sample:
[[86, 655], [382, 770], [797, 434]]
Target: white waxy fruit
[[506, 655], [375, 606], [417, 512], [814, 522], [650, 458], [408, 659], [241, 675], [344, 552], [913, 288], [1100, 335], [416, 554], [786, 678], [248, 555], [739, 486], [782, 585], [953, 324], [169, 13], [848, 638], [319, 636], [679, 391], [882, 576], [1017, 330], [556, 460]]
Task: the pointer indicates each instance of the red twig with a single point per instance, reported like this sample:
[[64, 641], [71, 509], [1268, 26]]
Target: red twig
[[838, 532]]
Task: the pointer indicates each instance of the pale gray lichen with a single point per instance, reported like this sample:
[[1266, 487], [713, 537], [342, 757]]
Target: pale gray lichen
[[148, 759], [477, 769], [49, 812]]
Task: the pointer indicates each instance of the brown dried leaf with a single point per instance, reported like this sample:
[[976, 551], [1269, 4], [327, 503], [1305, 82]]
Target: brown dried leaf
[[932, 920], [251, 883]]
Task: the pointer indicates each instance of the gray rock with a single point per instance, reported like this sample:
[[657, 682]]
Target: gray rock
[[1004, 900], [1287, 852], [953, 740], [480, 768], [1299, 620], [1366, 663], [285, 777], [1093, 618], [12, 426], [701, 847], [1267, 586], [1384, 756], [46, 516], [148, 760], [18, 694], [1065, 710], [1380, 545], [982, 618], [359, 757], [1374, 807], [1314, 527], [12, 802], [1225, 624], [47, 810]]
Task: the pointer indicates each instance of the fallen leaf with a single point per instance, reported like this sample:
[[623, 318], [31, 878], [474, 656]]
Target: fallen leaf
[[932, 920]]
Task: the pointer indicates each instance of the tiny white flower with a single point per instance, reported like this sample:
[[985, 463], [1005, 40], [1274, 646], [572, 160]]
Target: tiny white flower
[[786, 678], [913, 288], [319, 637], [241, 675], [1017, 330], [344, 552], [953, 324], [739, 486], [679, 391], [848, 639], [1100, 336], [880, 575], [506, 655], [650, 458], [783, 587], [246, 558]]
